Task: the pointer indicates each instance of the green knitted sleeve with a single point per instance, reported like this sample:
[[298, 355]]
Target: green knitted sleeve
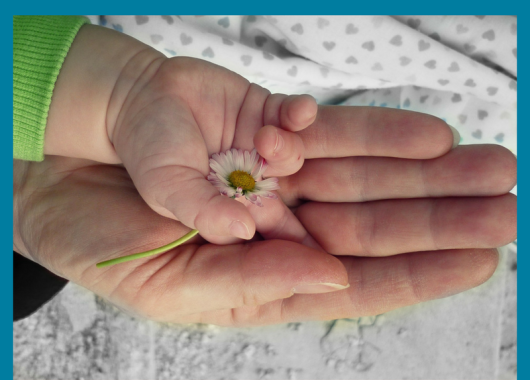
[[40, 45]]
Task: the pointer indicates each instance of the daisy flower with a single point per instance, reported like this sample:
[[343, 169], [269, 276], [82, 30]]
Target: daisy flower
[[237, 173]]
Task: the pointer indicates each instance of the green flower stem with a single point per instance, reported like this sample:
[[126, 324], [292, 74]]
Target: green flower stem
[[152, 252]]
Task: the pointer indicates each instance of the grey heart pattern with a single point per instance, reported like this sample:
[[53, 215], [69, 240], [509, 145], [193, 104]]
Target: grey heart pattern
[[156, 38], [324, 71], [322, 23], [492, 90], [456, 98], [228, 42], [185, 39], [461, 29], [480, 17], [224, 22], [469, 48], [424, 98], [489, 35], [470, 83], [369, 45], [436, 100], [247, 59], [140, 20], [482, 114], [513, 85], [514, 52], [292, 71], [443, 82], [423, 45], [499, 137], [462, 118], [260, 40], [298, 28], [351, 59], [430, 64], [168, 19], [252, 19], [404, 61], [396, 40], [406, 103], [329, 45], [268, 56], [477, 134], [377, 67], [513, 29], [435, 36], [414, 23], [351, 29], [454, 67], [208, 52]]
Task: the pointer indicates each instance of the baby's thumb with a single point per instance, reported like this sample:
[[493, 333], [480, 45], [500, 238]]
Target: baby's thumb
[[184, 193]]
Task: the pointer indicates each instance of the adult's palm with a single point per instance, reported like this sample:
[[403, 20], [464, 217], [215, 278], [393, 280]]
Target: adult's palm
[[399, 229]]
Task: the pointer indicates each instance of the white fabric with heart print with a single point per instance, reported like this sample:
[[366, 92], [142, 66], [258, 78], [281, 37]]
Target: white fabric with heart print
[[460, 68]]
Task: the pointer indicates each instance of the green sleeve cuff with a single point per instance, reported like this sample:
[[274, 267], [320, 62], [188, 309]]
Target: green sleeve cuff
[[40, 45]]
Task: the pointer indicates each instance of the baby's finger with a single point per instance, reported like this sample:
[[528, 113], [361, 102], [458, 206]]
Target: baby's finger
[[276, 221], [283, 150], [292, 113]]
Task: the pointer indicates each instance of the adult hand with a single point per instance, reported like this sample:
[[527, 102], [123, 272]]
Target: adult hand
[[70, 214]]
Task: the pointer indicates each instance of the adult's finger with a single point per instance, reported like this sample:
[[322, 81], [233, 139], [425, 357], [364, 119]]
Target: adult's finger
[[194, 279], [378, 285], [470, 170], [340, 131], [389, 227]]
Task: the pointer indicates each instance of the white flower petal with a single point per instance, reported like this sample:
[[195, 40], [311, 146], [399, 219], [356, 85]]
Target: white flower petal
[[218, 168], [268, 184], [223, 179]]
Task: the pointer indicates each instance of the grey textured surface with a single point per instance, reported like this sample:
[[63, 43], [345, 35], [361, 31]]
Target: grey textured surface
[[468, 336]]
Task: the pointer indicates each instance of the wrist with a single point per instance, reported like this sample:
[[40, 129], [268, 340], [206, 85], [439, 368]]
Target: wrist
[[82, 115]]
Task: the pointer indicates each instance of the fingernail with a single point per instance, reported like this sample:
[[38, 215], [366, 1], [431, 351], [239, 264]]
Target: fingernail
[[279, 143], [456, 136], [323, 287], [240, 230]]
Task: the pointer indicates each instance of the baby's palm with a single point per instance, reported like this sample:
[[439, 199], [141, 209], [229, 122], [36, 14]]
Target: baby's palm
[[173, 120]]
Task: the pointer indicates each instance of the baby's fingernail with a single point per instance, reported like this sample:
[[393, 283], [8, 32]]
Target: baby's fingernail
[[323, 287], [240, 230], [279, 143], [456, 136]]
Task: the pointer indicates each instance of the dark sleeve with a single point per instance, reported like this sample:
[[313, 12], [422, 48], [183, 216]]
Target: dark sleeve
[[33, 286]]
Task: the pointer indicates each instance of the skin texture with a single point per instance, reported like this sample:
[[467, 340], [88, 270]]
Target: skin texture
[[119, 101], [376, 212], [70, 214]]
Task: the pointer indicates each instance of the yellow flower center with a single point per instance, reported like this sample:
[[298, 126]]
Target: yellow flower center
[[242, 179]]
